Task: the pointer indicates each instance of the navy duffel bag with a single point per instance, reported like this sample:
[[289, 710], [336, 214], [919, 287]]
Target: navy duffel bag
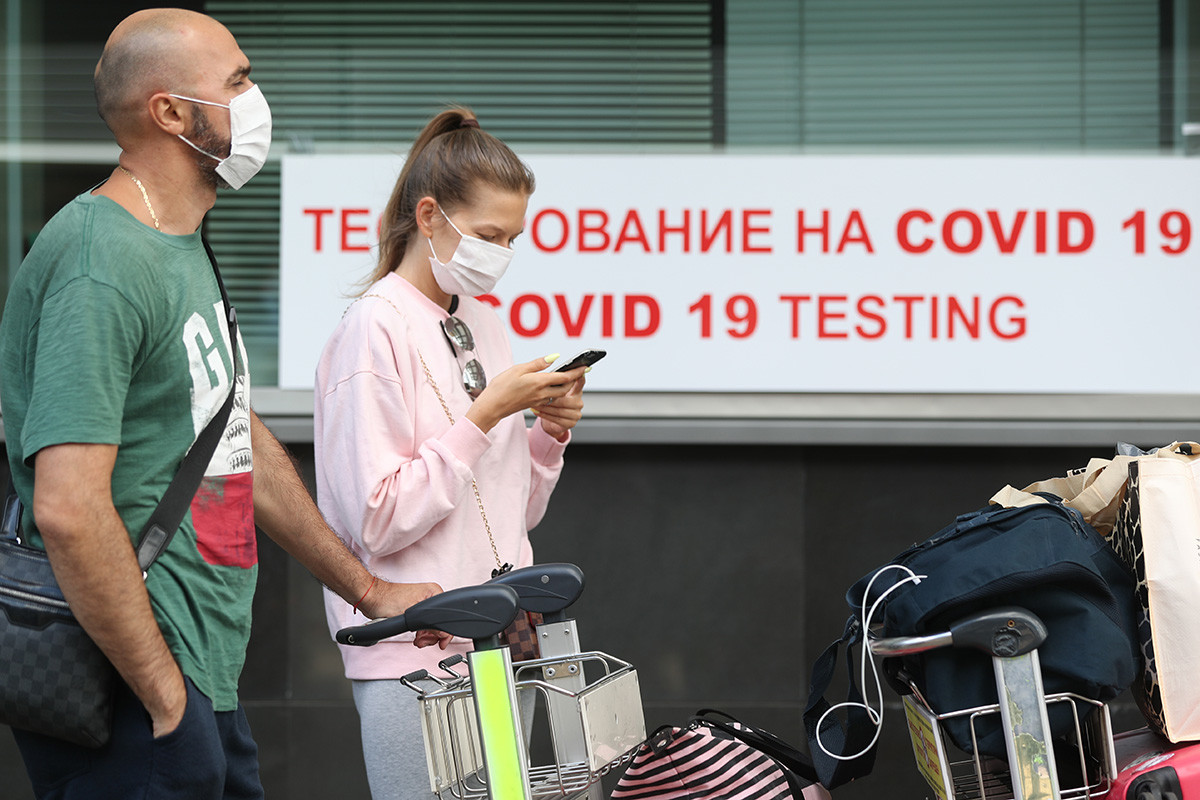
[[1042, 557]]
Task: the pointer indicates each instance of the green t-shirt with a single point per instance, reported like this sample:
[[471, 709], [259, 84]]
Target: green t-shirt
[[114, 333]]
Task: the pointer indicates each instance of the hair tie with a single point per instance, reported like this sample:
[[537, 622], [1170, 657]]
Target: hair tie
[[469, 122]]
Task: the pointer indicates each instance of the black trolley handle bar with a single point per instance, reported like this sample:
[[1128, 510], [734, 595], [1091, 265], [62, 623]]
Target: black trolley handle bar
[[547, 589], [1003, 632], [479, 613]]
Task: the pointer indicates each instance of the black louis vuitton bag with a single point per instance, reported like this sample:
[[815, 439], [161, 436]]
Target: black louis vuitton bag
[[56, 681]]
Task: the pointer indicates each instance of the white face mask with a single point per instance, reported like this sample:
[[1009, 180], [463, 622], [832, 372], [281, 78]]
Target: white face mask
[[474, 268], [249, 136]]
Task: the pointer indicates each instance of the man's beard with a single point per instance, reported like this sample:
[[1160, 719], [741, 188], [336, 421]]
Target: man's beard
[[207, 139]]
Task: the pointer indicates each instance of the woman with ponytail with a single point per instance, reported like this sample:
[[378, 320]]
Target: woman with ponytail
[[425, 465]]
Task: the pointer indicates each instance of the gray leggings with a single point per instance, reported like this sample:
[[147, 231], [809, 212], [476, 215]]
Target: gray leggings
[[393, 746]]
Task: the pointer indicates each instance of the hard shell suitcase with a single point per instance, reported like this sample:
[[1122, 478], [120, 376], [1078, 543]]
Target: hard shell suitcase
[[1151, 768]]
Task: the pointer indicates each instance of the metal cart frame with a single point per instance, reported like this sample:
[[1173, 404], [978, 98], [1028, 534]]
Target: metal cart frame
[[1011, 636], [476, 741]]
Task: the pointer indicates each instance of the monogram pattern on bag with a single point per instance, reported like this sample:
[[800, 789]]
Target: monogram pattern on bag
[[521, 637], [51, 676], [1128, 544]]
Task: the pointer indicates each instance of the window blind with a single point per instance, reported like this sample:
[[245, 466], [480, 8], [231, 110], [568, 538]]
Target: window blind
[[1022, 74]]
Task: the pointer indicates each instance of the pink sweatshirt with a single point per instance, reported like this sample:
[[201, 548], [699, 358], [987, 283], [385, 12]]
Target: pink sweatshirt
[[394, 476]]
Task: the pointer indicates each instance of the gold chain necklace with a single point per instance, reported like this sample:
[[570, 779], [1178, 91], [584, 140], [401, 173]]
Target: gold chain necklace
[[145, 196]]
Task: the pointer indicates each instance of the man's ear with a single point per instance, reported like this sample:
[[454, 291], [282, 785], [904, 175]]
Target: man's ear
[[166, 113]]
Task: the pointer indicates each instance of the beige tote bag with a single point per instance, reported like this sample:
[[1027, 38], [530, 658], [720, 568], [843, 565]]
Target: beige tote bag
[[1149, 507]]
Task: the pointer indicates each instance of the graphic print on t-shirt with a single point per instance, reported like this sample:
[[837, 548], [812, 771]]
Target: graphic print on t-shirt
[[223, 508]]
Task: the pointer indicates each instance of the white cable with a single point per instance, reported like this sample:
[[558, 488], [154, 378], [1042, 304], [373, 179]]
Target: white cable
[[868, 657]]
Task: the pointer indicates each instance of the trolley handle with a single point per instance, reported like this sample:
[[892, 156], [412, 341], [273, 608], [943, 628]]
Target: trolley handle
[[547, 589], [472, 612], [1003, 632]]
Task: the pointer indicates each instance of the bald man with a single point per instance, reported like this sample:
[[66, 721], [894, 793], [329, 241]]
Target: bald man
[[114, 354]]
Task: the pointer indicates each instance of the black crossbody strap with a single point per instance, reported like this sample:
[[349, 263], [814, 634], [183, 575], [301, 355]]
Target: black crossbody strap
[[169, 513]]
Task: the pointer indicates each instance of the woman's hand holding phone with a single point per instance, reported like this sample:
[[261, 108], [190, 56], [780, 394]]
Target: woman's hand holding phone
[[528, 385], [559, 416]]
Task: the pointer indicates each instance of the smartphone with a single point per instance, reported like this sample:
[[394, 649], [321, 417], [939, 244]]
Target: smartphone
[[584, 358]]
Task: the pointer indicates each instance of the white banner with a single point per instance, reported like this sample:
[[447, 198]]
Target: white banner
[[806, 274]]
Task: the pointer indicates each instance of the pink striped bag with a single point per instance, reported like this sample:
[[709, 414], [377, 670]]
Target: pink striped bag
[[707, 761]]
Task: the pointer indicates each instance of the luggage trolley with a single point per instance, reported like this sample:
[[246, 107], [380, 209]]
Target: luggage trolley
[[476, 743], [1011, 637]]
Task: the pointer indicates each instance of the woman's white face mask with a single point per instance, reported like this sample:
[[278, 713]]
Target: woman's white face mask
[[474, 268], [249, 136]]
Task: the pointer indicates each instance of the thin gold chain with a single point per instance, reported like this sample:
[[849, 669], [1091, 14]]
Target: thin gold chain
[[145, 197], [450, 416]]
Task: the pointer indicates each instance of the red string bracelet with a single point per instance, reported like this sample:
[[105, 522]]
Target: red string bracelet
[[368, 591]]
